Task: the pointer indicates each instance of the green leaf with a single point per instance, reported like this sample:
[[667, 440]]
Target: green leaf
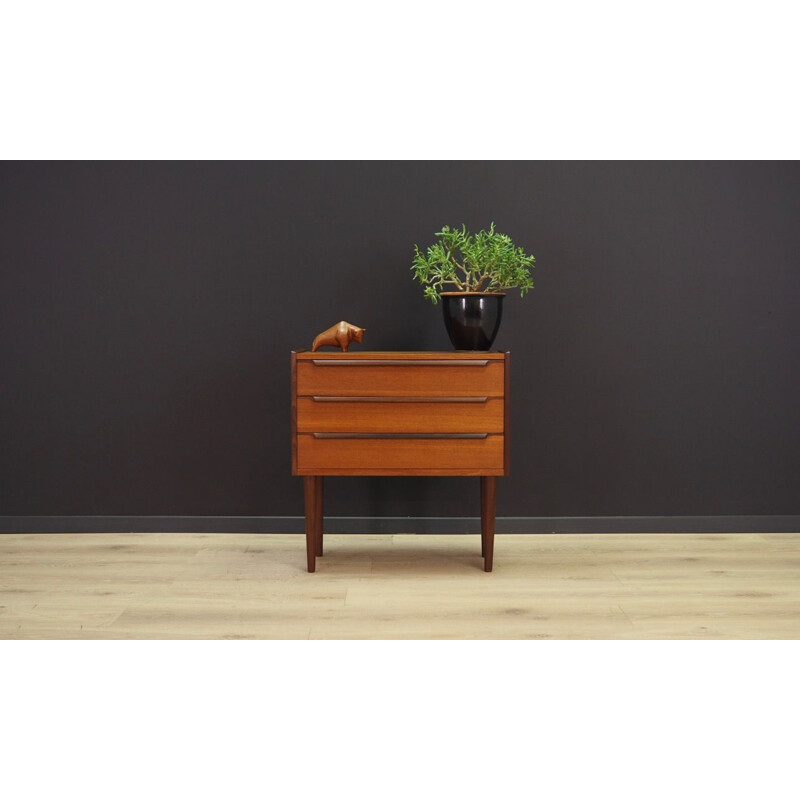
[[461, 261]]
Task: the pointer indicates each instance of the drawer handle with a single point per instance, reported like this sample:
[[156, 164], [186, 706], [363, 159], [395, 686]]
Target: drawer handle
[[400, 435], [330, 399], [389, 362]]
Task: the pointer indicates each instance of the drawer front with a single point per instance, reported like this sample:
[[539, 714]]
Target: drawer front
[[320, 414], [399, 455], [434, 378]]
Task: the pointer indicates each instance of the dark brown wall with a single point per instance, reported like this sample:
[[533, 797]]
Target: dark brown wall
[[147, 311]]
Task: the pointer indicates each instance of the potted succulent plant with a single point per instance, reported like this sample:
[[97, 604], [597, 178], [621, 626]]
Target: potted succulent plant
[[480, 268]]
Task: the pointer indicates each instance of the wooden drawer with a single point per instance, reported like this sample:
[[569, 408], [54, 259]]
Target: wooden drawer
[[366, 455], [398, 377], [321, 413]]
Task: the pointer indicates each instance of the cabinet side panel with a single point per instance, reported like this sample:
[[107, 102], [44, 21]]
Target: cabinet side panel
[[507, 414]]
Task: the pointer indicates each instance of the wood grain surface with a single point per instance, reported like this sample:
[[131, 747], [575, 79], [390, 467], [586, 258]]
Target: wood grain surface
[[391, 379], [400, 393], [399, 456], [406, 355], [419, 416], [558, 586]]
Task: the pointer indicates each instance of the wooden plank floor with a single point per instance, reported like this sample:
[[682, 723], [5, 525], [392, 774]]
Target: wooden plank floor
[[561, 586]]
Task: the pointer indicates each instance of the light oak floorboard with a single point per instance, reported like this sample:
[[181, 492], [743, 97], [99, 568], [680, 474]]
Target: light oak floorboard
[[255, 586]]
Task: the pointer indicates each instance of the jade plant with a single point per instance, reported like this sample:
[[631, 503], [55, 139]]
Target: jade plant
[[460, 261]]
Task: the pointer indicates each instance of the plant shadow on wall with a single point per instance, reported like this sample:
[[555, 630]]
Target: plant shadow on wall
[[471, 274]]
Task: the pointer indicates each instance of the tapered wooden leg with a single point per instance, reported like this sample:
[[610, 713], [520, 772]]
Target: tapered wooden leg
[[488, 507], [320, 515], [483, 524], [310, 493]]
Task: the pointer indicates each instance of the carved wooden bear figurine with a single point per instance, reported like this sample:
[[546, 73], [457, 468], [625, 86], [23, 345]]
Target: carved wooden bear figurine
[[339, 335]]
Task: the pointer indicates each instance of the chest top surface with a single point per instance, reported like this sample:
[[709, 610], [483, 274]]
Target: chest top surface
[[405, 355]]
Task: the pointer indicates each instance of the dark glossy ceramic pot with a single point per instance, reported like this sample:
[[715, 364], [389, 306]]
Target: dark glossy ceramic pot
[[472, 318]]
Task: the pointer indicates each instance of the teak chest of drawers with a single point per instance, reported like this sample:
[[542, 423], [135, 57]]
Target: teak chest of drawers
[[399, 413]]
